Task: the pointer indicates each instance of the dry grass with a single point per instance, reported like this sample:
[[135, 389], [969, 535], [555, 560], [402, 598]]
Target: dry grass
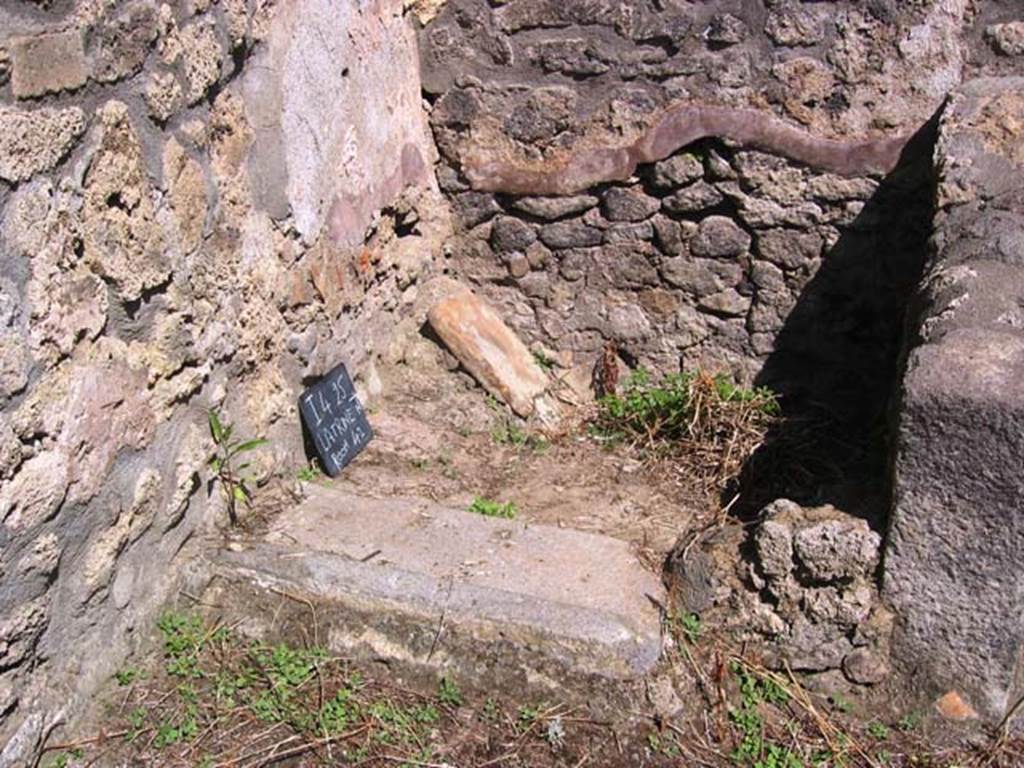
[[753, 717], [703, 426]]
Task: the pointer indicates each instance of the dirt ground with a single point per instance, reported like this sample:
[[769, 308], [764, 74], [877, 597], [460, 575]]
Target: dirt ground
[[438, 435], [205, 697]]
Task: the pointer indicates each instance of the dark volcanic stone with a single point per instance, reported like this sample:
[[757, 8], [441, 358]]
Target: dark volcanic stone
[[719, 237], [693, 199], [528, 123], [456, 109], [725, 29], [510, 234], [668, 235], [628, 205], [677, 170], [629, 233], [570, 234], [475, 208], [551, 208], [789, 248]]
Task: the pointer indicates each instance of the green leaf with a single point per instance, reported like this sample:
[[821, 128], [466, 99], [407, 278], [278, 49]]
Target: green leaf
[[249, 445], [241, 494], [216, 429]]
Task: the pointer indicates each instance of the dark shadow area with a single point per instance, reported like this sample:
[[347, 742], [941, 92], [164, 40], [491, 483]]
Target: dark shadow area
[[836, 362]]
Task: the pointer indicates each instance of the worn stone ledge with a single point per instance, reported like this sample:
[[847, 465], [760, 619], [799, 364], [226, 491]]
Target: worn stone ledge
[[952, 566], [578, 169], [436, 590]]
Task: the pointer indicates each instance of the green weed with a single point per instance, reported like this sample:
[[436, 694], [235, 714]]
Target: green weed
[[879, 731], [909, 722], [542, 360], [184, 639], [398, 724], [663, 744], [185, 728], [707, 424], [126, 676], [687, 627], [841, 703], [224, 463], [448, 693], [528, 715], [64, 758], [490, 508], [509, 433], [673, 408], [490, 711], [310, 473], [753, 749], [287, 669]]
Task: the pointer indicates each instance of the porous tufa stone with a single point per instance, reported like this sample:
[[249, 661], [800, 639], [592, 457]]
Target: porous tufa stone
[[36, 140]]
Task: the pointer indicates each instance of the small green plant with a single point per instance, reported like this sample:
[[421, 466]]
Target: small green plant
[[688, 627], [126, 676], [170, 733], [337, 713], [399, 724], [909, 721], [841, 703], [755, 689], [663, 744], [224, 463], [753, 749], [706, 421], [509, 433], [184, 639], [287, 669], [528, 714], [136, 721], [309, 473], [448, 693], [877, 730], [64, 758], [542, 360], [490, 508], [489, 713]]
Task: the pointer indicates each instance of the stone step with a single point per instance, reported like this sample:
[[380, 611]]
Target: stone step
[[494, 603]]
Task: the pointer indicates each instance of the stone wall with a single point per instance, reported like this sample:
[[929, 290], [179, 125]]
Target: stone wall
[[716, 257], [953, 559], [748, 185], [729, 184], [204, 204]]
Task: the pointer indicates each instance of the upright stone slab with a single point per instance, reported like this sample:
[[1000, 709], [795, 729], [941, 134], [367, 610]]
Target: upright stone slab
[[954, 563], [491, 351]]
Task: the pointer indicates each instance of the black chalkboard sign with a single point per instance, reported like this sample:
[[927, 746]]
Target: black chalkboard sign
[[335, 419]]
